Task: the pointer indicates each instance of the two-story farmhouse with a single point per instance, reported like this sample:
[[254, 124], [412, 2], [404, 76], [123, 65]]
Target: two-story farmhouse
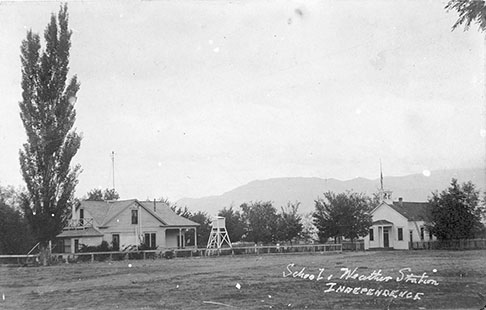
[[396, 224], [124, 224]]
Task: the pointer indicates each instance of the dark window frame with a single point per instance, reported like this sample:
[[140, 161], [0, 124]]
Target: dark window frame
[[150, 240], [115, 241], [400, 233], [372, 234], [134, 216]]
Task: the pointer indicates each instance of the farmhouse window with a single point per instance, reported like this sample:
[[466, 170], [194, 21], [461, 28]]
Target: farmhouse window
[[421, 233], [60, 246], [134, 216], [150, 240], [372, 235], [400, 234], [115, 240]]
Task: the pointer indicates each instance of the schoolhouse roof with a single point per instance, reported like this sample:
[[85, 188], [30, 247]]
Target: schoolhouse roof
[[413, 211], [382, 222]]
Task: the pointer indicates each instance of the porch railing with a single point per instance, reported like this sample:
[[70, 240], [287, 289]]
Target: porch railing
[[79, 224]]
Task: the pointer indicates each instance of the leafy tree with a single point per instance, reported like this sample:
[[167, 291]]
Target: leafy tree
[[164, 200], [342, 215], [469, 11], [289, 222], [234, 223], [309, 230], [48, 115], [97, 194], [375, 200], [455, 213], [203, 230], [15, 234], [110, 194], [262, 221], [11, 196], [184, 212]]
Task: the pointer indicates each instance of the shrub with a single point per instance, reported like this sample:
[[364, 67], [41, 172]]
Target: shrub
[[169, 254], [103, 247]]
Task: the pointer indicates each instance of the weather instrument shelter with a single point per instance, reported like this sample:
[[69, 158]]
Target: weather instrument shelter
[[218, 235]]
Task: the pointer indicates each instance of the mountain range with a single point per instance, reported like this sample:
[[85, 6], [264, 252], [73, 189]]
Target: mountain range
[[414, 187]]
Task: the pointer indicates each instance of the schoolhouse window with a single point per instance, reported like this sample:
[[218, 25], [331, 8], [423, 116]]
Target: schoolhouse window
[[400, 234], [430, 235], [372, 235], [422, 231], [134, 216]]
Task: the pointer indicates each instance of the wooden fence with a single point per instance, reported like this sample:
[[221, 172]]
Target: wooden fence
[[19, 260], [198, 252], [462, 244], [174, 253], [357, 245]]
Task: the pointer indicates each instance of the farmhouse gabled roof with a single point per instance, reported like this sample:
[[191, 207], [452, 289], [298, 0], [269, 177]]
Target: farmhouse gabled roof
[[165, 213], [413, 211], [105, 211]]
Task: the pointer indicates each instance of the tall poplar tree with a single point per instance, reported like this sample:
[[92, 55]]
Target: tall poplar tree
[[469, 11], [48, 115]]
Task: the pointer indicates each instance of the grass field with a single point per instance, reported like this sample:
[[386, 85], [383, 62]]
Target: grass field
[[255, 282]]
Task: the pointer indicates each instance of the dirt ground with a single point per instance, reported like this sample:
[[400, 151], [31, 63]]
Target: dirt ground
[[452, 280]]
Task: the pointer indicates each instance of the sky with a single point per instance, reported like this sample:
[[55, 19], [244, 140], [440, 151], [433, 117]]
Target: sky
[[196, 98]]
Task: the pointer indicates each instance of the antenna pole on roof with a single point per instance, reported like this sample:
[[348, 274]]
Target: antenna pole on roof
[[113, 167], [381, 176]]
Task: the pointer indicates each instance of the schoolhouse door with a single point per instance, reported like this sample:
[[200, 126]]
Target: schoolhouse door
[[386, 240]]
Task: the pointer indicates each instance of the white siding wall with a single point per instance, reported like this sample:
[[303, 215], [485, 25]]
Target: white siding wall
[[171, 238], [90, 241], [415, 228], [130, 233], [385, 212]]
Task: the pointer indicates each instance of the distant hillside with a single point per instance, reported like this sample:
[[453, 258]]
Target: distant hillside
[[415, 187]]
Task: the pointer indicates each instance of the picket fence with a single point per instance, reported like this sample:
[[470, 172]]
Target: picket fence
[[462, 244]]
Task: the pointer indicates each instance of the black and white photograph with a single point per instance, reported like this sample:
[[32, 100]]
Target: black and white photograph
[[243, 154]]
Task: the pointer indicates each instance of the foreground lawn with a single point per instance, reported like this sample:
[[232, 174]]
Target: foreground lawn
[[452, 280]]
